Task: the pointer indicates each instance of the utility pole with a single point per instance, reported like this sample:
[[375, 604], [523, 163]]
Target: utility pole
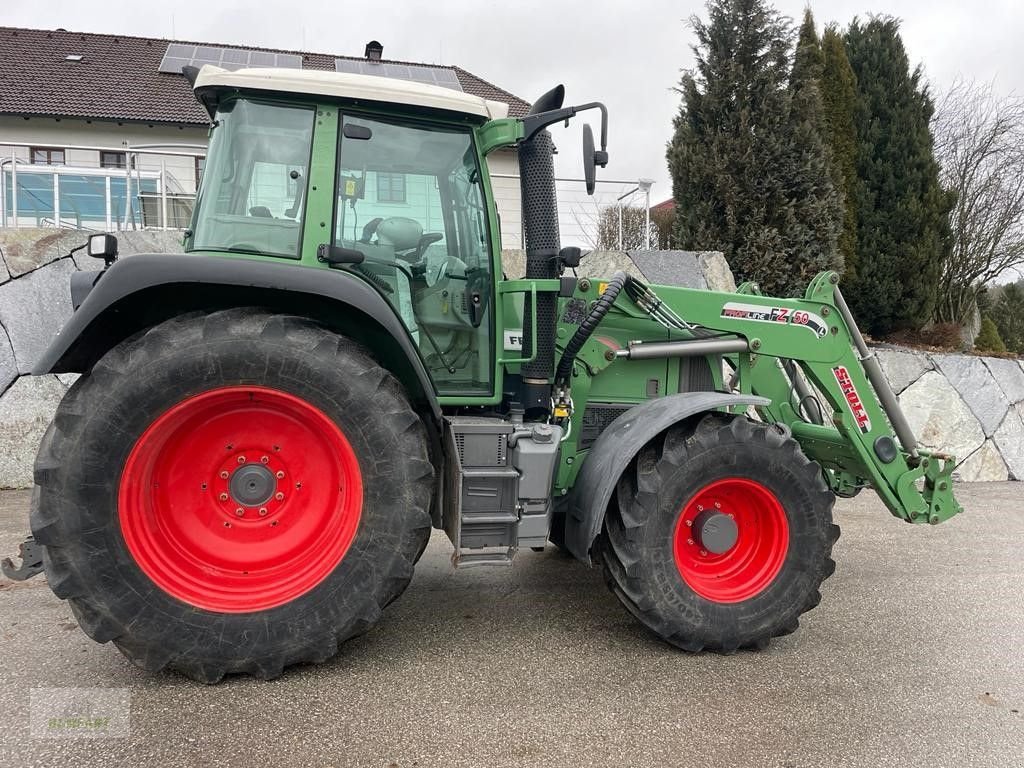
[[645, 185]]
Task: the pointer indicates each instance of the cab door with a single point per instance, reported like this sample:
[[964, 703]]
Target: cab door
[[411, 199]]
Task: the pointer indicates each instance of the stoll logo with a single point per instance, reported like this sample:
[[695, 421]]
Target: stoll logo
[[850, 393]]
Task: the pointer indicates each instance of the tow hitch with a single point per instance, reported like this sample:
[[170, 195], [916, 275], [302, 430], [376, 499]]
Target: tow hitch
[[31, 555]]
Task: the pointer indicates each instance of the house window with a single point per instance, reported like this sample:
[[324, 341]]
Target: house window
[[200, 164], [113, 160], [47, 156], [390, 187]]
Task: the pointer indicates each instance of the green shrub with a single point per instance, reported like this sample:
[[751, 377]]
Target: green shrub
[[989, 340]]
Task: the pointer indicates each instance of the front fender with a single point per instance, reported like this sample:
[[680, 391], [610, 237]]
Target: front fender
[[139, 291], [617, 446]]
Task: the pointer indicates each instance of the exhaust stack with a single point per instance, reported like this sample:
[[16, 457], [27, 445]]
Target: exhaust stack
[[540, 222]]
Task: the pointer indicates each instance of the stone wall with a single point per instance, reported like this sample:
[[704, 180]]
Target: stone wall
[[35, 302], [972, 406]]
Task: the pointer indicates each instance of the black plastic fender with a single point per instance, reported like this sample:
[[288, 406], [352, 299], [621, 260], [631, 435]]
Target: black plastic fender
[[617, 446], [140, 290]]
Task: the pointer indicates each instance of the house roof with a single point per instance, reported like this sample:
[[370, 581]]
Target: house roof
[[664, 205], [117, 77]]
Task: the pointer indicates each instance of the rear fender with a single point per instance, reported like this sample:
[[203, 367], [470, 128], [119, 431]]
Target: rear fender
[[618, 445], [140, 291]]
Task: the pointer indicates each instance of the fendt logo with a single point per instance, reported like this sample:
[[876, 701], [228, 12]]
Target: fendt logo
[[850, 393]]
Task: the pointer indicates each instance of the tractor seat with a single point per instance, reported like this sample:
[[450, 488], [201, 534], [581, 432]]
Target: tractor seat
[[401, 233], [405, 236]]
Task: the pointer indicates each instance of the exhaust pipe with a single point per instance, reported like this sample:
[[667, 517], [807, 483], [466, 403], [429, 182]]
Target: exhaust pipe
[[540, 222]]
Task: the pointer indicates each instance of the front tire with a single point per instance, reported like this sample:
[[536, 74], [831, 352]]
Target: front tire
[[221, 494], [720, 535]]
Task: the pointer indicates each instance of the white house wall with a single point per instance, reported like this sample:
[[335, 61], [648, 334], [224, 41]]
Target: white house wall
[[505, 163], [181, 170]]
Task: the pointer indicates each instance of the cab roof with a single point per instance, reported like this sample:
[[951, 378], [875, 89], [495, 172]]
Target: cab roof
[[343, 85]]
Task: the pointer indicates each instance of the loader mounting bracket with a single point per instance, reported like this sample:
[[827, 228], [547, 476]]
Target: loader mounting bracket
[[936, 469]]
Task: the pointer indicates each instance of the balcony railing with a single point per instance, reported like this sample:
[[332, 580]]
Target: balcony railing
[[154, 190]]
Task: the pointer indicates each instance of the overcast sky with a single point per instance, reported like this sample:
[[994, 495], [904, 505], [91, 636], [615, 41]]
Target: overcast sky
[[630, 58]]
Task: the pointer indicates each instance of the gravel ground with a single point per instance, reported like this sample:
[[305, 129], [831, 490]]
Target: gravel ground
[[915, 657]]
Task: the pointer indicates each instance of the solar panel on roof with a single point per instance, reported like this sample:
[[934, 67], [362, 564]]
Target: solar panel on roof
[[180, 55], [446, 78]]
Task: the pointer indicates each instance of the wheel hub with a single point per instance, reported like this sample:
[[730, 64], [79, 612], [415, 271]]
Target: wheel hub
[[252, 485], [716, 532]]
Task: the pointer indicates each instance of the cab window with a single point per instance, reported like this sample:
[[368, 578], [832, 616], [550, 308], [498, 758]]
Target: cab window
[[252, 195]]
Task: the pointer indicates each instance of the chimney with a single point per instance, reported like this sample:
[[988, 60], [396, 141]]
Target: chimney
[[374, 50]]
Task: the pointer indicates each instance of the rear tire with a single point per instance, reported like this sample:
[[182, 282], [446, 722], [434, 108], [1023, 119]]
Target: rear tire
[[163, 548], [743, 593]]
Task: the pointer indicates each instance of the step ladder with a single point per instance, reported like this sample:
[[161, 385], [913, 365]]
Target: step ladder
[[481, 510]]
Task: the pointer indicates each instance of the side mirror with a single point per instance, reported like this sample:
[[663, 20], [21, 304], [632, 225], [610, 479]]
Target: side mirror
[[103, 247], [591, 159]]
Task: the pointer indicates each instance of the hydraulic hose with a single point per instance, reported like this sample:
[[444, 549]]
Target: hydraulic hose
[[588, 326]]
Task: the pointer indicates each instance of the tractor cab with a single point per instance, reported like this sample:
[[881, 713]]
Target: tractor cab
[[397, 194]]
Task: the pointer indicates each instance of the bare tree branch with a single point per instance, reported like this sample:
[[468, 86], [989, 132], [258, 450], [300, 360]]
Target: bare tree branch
[[979, 140], [633, 220]]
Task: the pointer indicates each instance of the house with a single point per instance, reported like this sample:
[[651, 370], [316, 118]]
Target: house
[[102, 131], [666, 207]]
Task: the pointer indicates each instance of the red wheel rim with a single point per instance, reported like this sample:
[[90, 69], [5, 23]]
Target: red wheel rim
[[747, 567], [240, 499]]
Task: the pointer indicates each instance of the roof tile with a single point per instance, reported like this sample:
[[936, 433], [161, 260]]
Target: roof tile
[[117, 77]]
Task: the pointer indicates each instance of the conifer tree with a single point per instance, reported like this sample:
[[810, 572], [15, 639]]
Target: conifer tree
[[748, 166], [809, 60], [903, 232], [839, 99]]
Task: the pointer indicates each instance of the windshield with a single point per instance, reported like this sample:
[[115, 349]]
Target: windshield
[[252, 195]]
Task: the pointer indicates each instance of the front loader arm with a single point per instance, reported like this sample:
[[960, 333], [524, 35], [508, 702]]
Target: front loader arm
[[860, 438]]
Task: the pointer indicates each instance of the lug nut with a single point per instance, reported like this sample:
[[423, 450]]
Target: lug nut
[[718, 505], [223, 497], [703, 553], [227, 524], [239, 512], [689, 523], [690, 542], [700, 508], [279, 496], [264, 459], [223, 474], [263, 511], [241, 459], [280, 474]]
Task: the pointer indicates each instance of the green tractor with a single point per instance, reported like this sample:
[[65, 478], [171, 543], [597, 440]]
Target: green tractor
[[267, 427]]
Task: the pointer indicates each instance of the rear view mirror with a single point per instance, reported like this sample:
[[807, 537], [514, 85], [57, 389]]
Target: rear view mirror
[[589, 163], [592, 158], [354, 131], [103, 247]]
